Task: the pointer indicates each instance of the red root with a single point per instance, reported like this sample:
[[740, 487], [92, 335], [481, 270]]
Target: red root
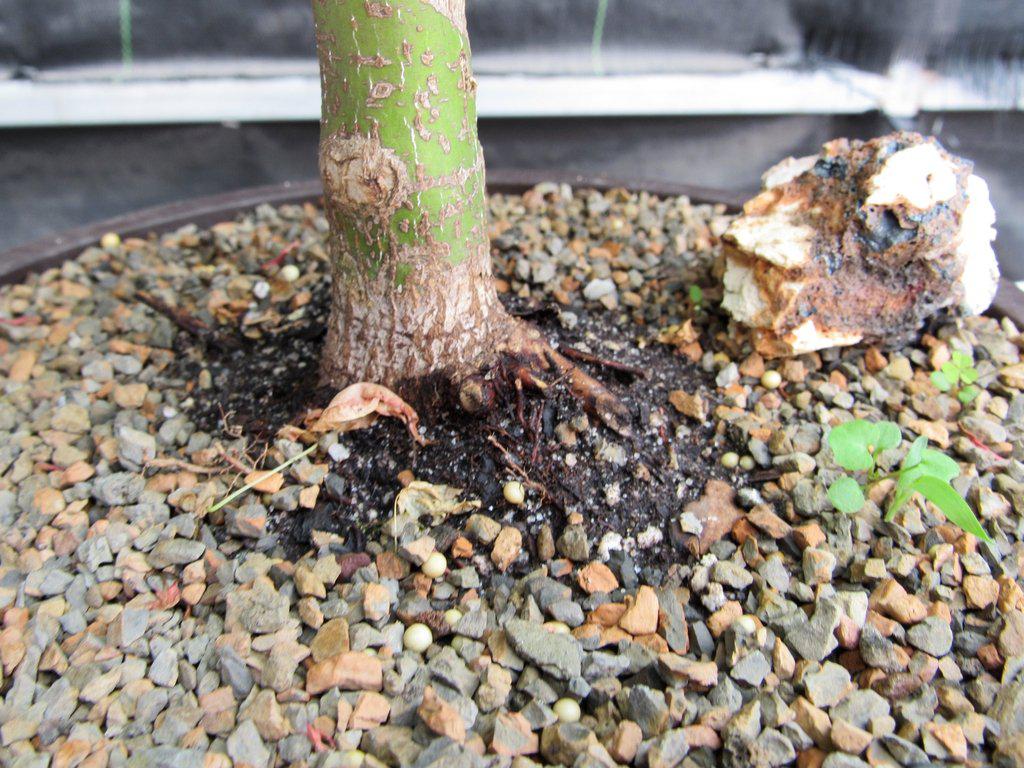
[[525, 357]]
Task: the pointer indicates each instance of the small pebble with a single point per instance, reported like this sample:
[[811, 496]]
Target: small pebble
[[567, 710], [747, 463], [289, 273], [261, 289], [110, 240], [771, 379], [730, 460], [557, 627], [453, 616], [434, 566], [417, 638], [515, 492]]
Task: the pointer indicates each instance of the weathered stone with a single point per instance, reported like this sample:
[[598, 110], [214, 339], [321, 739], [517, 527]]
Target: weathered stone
[[897, 205], [828, 685], [641, 615], [558, 655], [932, 635], [716, 512], [351, 671], [441, 717]]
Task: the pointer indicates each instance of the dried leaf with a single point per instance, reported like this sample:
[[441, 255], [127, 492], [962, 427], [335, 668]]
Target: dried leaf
[[438, 501], [359, 405]]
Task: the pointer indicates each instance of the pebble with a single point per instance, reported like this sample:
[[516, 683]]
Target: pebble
[[514, 492], [597, 289], [434, 566], [417, 638], [567, 710], [932, 635], [559, 655]]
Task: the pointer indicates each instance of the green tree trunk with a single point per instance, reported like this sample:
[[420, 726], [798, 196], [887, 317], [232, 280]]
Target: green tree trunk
[[403, 177]]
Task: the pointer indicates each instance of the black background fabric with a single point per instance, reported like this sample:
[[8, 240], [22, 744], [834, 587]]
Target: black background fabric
[[970, 36]]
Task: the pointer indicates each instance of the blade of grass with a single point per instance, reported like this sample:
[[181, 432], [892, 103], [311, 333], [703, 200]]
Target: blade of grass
[[595, 43], [263, 476]]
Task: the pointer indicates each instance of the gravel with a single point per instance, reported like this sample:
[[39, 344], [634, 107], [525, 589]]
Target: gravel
[[140, 628]]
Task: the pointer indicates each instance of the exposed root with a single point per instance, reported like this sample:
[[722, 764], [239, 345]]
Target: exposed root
[[526, 361], [587, 357], [187, 322], [512, 464]]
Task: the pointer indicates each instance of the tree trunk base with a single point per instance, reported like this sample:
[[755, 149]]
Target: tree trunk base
[[500, 358]]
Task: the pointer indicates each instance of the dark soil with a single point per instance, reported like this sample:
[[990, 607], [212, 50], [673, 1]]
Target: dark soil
[[259, 386]]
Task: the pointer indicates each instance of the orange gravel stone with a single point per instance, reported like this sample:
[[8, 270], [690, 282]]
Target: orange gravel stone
[[597, 577]]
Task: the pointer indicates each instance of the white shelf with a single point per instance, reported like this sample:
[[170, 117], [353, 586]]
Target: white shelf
[[290, 92]]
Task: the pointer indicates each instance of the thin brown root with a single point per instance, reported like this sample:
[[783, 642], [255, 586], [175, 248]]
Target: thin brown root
[[186, 322], [587, 357], [199, 469], [514, 465], [522, 361], [596, 398]]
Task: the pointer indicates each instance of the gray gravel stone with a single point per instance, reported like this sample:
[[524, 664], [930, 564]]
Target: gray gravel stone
[[814, 639], [932, 635], [259, 609], [558, 655], [860, 707], [827, 686], [176, 552], [119, 488], [135, 448], [246, 747], [751, 669]]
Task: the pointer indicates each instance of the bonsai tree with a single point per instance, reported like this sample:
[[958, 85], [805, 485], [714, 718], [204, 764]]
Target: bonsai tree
[[413, 301]]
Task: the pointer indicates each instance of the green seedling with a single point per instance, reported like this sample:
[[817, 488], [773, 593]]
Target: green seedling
[[856, 446], [696, 297], [958, 375]]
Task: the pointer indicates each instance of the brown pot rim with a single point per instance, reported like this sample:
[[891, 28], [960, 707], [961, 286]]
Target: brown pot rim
[[53, 250]]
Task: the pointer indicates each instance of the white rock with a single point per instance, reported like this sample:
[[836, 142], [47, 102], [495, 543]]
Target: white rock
[[742, 298], [598, 288], [774, 236], [917, 176], [980, 277], [787, 170], [863, 251]]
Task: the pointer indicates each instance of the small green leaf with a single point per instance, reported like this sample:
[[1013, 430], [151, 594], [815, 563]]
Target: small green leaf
[[850, 443], [951, 372], [913, 457], [846, 495], [952, 505], [961, 361], [889, 436], [940, 381], [969, 375], [967, 394], [937, 464], [696, 295]]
